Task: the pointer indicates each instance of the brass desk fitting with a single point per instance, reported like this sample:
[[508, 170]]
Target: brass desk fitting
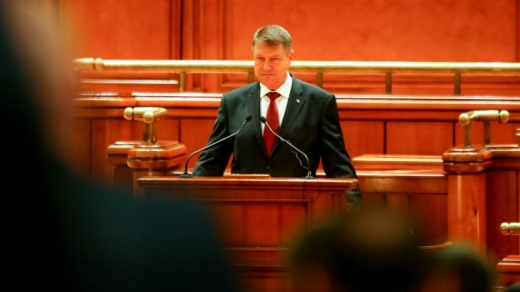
[[512, 228], [486, 116], [150, 116]]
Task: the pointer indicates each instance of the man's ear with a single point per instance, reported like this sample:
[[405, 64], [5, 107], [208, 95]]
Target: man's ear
[[291, 55]]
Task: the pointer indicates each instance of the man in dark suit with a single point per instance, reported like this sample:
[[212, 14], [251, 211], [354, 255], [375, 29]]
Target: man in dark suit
[[301, 113]]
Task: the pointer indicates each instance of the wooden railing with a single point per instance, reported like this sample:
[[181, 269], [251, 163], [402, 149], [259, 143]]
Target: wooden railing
[[320, 68]]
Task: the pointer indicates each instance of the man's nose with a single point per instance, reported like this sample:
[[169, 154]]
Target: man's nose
[[267, 65]]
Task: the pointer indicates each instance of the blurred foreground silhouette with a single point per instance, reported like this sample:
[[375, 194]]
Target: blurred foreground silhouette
[[64, 232], [379, 249], [366, 250]]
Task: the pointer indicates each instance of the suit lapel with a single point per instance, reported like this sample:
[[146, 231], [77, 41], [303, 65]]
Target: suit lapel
[[294, 105]]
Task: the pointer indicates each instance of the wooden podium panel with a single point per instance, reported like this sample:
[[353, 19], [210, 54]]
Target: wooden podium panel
[[508, 271], [257, 218]]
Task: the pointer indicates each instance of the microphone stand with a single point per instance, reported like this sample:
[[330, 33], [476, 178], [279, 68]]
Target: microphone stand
[[309, 174], [185, 174]]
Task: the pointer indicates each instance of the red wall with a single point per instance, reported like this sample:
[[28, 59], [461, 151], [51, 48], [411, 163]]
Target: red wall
[[359, 30]]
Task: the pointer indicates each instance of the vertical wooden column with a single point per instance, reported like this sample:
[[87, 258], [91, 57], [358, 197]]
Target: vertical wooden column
[[467, 179], [465, 168], [117, 156], [503, 179]]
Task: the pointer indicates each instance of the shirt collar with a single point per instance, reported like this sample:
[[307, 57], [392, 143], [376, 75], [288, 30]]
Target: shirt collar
[[284, 89]]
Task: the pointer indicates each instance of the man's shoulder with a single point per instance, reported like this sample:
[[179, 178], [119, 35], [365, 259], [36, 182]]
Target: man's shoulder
[[243, 90]]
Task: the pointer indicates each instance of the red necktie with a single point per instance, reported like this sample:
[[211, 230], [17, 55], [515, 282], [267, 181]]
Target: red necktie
[[273, 121]]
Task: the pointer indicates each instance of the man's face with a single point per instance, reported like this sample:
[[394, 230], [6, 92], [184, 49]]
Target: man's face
[[271, 64]]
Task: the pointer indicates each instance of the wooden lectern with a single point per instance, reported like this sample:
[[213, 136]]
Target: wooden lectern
[[258, 217]]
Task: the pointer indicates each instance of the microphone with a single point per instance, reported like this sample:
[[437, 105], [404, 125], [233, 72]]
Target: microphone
[[309, 175], [185, 174]]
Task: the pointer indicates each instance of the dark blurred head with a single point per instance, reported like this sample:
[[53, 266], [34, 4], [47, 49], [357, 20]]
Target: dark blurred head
[[364, 250], [514, 288], [30, 94], [33, 85], [459, 268]]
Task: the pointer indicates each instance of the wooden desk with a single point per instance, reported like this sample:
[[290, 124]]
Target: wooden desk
[[258, 218]]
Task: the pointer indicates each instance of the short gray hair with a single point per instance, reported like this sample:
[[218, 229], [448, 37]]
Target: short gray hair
[[273, 35]]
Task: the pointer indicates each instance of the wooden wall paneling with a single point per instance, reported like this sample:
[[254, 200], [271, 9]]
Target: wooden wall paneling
[[293, 219], [423, 85], [190, 40], [320, 205], [236, 213], [194, 134], [490, 85], [125, 83], [133, 29], [373, 199], [419, 193], [432, 213], [384, 112], [465, 32], [136, 129], [356, 84], [504, 133], [363, 137], [212, 40], [168, 129], [203, 22], [398, 202], [467, 209], [104, 133], [445, 86], [517, 33], [80, 141], [266, 281], [501, 133], [204, 29], [238, 27], [502, 200], [285, 222], [418, 137], [262, 224], [176, 25], [363, 123], [112, 29]]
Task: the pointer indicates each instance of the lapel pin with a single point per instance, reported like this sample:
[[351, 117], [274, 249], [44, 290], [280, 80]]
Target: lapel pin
[[297, 101]]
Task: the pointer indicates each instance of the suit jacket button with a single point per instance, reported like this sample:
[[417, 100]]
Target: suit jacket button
[[268, 167]]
